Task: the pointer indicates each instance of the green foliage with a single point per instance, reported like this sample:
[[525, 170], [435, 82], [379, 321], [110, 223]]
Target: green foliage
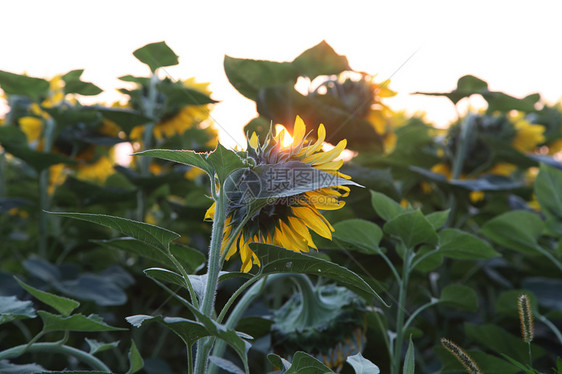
[[12, 309], [63, 305], [156, 55]]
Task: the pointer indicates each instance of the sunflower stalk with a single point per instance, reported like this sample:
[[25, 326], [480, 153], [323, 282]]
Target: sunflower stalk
[[149, 109], [213, 269]]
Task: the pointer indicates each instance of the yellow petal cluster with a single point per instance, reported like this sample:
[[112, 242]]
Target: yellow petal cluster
[[295, 219]]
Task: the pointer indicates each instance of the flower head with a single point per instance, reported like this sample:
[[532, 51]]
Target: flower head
[[287, 221]]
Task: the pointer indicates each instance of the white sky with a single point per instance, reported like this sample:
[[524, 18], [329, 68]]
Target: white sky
[[514, 45]]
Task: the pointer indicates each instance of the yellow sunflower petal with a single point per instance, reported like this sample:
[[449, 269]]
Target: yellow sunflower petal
[[314, 221], [331, 165], [210, 213], [253, 141], [324, 202], [301, 228], [299, 131], [323, 157]]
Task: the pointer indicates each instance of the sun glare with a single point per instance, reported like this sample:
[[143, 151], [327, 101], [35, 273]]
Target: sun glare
[[284, 135]]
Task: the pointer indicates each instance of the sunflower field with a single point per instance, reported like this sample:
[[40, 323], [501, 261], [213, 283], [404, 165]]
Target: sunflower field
[[344, 236]]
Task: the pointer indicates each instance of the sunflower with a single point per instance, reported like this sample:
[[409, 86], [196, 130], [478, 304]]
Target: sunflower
[[286, 221]]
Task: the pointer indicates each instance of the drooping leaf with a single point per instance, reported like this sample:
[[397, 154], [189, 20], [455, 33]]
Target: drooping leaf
[[362, 235], [250, 76], [165, 275], [517, 230], [63, 305], [361, 365], [12, 309], [459, 296], [191, 158], [152, 235], [275, 259], [156, 55], [96, 346], [454, 243], [438, 219], [15, 84], [320, 60], [189, 331], [75, 322], [385, 207], [278, 362], [135, 359], [412, 228]]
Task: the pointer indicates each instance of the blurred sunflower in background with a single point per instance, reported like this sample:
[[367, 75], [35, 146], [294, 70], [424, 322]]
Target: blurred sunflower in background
[[286, 222]]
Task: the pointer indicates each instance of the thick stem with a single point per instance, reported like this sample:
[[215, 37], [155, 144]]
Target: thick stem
[[213, 269], [86, 358], [397, 356]]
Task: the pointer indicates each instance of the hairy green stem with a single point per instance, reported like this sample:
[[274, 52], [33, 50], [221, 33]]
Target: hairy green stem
[[418, 311], [238, 311], [213, 269], [86, 358], [235, 295], [188, 285]]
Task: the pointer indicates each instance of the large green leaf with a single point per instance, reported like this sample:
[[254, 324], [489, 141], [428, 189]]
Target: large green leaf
[[517, 230], [191, 158], [275, 259], [156, 55], [75, 322], [454, 243], [11, 309], [165, 275], [224, 162], [385, 207], [460, 296], [320, 60], [135, 359], [360, 234], [73, 84], [15, 84], [63, 305], [412, 228], [250, 76], [303, 363], [152, 235], [361, 365]]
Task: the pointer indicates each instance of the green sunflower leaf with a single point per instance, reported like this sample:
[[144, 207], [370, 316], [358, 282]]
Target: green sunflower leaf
[[517, 230], [156, 55], [96, 346], [189, 331], [11, 309], [548, 188], [135, 360], [75, 322], [191, 158], [412, 228], [224, 162], [454, 243], [250, 76], [361, 365], [385, 207], [320, 60], [152, 235], [15, 84], [305, 363], [409, 361], [362, 235], [275, 259], [73, 84], [63, 305], [460, 296]]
